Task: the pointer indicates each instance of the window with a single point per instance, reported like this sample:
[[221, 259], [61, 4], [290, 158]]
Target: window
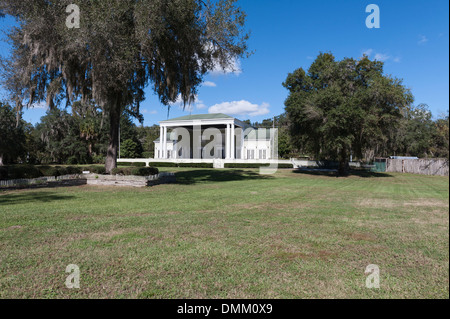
[[250, 154], [262, 154]]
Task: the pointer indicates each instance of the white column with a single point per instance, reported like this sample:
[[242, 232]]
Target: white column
[[165, 143], [227, 142], [161, 136], [232, 136], [242, 144]]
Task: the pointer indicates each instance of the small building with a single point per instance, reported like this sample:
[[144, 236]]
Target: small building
[[214, 136]]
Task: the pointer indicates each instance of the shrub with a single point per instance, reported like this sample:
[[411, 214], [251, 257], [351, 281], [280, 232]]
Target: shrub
[[253, 165], [98, 159], [3, 172], [164, 164], [147, 155], [97, 170], [236, 165], [62, 171], [72, 160], [73, 170], [23, 171], [50, 171], [197, 165], [136, 171], [145, 171], [131, 164]]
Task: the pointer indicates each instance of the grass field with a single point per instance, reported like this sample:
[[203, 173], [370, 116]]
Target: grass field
[[230, 234]]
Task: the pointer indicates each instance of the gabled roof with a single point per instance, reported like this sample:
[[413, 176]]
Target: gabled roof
[[216, 116]]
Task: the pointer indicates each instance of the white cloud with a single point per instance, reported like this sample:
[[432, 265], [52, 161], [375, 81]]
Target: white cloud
[[40, 105], [368, 52], [422, 39], [240, 108], [209, 84], [382, 57], [199, 104]]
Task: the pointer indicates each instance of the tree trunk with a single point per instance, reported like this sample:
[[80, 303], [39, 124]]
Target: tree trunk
[[344, 167], [111, 157], [1, 160]]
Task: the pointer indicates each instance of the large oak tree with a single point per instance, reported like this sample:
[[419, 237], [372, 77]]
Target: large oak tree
[[339, 107], [121, 47]]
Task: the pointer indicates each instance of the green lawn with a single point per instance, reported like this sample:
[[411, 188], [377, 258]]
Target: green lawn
[[230, 234]]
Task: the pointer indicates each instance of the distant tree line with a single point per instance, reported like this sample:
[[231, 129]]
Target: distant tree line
[[418, 133], [342, 108], [79, 137]]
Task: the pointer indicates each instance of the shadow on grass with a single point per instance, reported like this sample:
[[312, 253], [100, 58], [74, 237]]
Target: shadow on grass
[[31, 197], [201, 176], [333, 173]]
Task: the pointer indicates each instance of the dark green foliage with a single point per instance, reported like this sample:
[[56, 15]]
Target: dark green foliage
[[97, 170], [130, 149], [59, 170], [340, 107], [132, 164], [196, 165], [3, 172], [73, 170], [136, 171], [145, 171], [12, 135], [23, 172], [251, 165], [163, 164], [147, 154]]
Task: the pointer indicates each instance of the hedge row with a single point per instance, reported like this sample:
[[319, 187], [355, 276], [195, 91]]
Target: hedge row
[[239, 165], [131, 164], [135, 171], [31, 171], [190, 165]]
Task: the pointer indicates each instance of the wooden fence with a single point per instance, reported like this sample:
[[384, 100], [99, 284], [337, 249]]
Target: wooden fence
[[418, 166]]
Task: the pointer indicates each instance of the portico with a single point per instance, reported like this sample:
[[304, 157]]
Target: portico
[[209, 136]]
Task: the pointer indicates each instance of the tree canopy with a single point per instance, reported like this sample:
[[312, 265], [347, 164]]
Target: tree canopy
[[340, 107], [121, 47]]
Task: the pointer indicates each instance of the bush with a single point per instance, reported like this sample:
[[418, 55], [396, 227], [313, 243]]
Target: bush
[[252, 165], [236, 165], [147, 155], [72, 160], [136, 171], [23, 171], [124, 171], [196, 165], [97, 170], [50, 171], [73, 170], [3, 172], [145, 171], [131, 164], [164, 164], [98, 159]]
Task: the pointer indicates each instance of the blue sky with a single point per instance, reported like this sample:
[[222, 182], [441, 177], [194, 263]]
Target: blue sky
[[413, 41]]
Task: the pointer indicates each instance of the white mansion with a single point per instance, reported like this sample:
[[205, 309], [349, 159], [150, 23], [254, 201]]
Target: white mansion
[[214, 136]]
